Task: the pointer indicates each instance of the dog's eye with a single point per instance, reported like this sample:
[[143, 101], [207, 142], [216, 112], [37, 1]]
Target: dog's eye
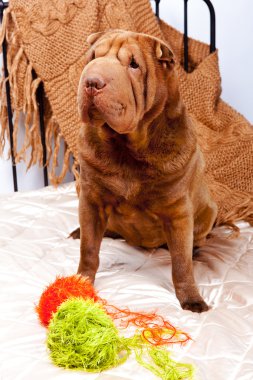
[[134, 64], [93, 56]]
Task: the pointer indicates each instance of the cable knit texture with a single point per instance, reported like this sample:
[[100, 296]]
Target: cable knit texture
[[49, 37]]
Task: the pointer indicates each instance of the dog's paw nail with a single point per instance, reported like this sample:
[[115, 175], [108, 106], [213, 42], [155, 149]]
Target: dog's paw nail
[[195, 306], [75, 234], [86, 275]]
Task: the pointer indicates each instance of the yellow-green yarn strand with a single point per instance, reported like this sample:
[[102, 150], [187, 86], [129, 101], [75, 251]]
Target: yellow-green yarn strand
[[162, 365]]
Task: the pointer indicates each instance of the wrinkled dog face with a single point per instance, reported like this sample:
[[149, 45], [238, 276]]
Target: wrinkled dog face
[[118, 85]]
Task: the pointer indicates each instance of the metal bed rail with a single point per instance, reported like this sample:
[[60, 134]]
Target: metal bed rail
[[40, 92]]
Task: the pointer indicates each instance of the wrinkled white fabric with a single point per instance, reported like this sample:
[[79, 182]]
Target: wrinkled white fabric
[[34, 249]]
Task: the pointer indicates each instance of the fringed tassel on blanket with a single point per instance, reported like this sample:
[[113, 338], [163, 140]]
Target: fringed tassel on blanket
[[54, 142], [4, 131], [24, 86], [76, 172]]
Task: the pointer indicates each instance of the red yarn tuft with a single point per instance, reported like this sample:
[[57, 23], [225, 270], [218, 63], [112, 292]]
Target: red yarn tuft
[[59, 291]]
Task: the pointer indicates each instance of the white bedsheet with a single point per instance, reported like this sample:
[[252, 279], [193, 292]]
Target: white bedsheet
[[34, 249]]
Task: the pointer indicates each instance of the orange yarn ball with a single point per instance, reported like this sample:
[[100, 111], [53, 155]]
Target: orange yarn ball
[[59, 291]]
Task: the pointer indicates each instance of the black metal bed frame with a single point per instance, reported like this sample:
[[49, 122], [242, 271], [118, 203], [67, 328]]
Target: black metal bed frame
[[40, 91]]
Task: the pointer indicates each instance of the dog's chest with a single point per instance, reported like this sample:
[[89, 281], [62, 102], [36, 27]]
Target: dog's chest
[[122, 186], [120, 174]]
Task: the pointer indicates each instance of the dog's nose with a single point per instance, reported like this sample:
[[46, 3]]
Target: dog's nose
[[93, 85]]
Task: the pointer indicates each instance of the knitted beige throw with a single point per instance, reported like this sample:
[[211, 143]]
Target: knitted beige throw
[[49, 36]]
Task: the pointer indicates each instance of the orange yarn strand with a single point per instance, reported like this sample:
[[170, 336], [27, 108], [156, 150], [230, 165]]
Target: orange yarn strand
[[155, 329]]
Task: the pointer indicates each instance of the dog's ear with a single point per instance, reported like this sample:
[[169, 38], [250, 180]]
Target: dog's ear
[[164, 54], [92, 38]]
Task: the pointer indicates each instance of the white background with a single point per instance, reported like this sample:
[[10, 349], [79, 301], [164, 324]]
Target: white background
[[234, 39]]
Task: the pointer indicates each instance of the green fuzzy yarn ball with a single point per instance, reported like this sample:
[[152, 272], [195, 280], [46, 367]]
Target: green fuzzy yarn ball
[[82, 336]]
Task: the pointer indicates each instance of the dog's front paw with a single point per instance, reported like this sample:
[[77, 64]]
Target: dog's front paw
[[196, 306]]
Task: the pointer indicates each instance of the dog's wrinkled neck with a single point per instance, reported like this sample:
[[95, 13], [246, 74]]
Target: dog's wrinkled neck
[[150, 128], [174, 106]]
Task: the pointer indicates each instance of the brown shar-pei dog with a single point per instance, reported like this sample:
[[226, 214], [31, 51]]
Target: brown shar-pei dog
[[142, 172]]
